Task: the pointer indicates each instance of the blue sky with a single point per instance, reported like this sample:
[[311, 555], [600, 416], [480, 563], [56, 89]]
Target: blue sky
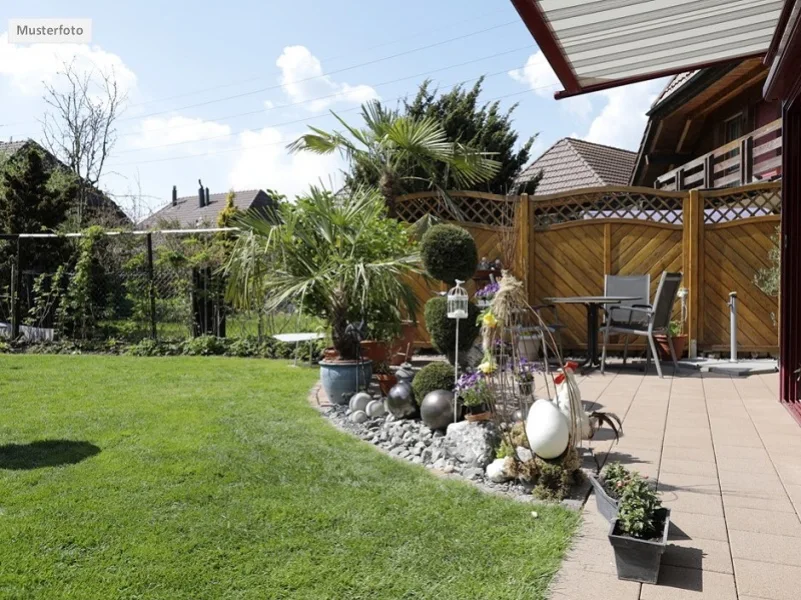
[[262, 71]]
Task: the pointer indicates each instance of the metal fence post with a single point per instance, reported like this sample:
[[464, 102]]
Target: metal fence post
[[151, 285], [733, 326], [16, 292]]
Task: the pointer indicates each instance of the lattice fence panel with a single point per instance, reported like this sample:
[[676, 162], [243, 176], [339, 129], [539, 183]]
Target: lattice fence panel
[[723, 206], [631, 203], [467, 207]]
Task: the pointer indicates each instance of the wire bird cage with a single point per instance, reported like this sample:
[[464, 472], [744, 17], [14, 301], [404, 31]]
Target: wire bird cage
[[457, 301]]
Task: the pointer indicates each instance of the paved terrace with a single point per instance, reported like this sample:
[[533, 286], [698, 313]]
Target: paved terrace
[[727, 457]]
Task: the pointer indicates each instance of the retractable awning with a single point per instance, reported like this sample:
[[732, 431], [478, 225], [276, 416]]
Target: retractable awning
[[598, 44]]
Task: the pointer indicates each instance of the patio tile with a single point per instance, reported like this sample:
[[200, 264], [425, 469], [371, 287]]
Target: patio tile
[[738, 440], [762, 521], [794, 492], [677, 583], [574, 584], [779, 549], [767, 580], [702, 504], [689, 467], [696, 484], [746, 452], [758, 463], [681, 453], [691, 526], [694, 440], [592, 554], [708, 555], [754, 501], [767, 483]]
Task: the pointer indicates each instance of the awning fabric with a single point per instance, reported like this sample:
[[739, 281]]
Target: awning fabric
[[597, 44]]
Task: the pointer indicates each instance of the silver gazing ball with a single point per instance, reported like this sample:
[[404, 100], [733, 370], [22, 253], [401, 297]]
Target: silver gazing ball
[[437, 409], [405, 373], [400, 401]]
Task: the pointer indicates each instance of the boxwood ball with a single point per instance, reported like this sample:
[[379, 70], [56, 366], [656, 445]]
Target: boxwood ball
[[400, 401], [436, 409]]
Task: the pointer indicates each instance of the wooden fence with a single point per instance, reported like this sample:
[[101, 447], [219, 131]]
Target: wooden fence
[[567, 242]]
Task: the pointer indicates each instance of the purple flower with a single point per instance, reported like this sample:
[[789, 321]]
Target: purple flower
[[488, 291]]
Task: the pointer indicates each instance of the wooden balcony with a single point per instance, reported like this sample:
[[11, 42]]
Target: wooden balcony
[[753, 157]]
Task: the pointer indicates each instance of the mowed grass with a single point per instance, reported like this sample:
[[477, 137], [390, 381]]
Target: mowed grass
[[194, 478]]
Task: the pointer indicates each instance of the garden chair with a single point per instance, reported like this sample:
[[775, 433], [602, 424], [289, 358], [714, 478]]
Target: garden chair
[[638, 286], [657, 320], [551, 326]]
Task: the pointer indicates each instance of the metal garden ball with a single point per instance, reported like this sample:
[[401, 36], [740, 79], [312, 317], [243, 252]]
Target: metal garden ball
[[437, 409], [400, 401]]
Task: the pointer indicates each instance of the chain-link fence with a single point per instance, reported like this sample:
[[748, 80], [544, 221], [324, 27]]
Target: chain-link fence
[[127, 287]]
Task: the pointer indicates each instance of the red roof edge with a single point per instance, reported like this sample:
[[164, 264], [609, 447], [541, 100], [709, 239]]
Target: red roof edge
[[530, 13]]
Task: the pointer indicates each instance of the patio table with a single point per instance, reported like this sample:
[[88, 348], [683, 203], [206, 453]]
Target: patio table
[[593, 303], [299, 338]]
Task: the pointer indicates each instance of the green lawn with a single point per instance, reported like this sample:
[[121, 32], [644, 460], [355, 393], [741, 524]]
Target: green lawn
[[190, 478]]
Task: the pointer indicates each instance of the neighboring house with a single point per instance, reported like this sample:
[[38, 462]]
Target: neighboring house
[[571, 164], [711, 128], [96, 199], [201, 210]]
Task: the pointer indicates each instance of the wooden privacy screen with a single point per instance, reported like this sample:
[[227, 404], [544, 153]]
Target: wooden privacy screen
[[566, 243]]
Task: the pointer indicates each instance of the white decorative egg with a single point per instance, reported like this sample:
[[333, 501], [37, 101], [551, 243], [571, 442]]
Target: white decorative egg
[[547, 429]]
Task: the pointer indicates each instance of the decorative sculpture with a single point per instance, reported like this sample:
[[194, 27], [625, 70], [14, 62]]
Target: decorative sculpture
[[436, 410], [400, 401], [359, 401]]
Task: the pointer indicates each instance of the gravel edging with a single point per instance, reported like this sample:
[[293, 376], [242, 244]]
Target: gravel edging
[[412, 441]]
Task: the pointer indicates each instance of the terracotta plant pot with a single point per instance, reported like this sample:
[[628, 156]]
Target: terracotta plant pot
[[375, 351], [330, 354], [478, 417], [386, 382], [679, 345], [398, 350]]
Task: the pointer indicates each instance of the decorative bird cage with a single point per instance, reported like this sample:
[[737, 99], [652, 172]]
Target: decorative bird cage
[[457, 302]]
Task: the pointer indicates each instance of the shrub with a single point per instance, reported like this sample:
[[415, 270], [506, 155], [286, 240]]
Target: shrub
[[449, 253], [553, 483], [434, 376], [205, 345], [443, 330], [613, 478]]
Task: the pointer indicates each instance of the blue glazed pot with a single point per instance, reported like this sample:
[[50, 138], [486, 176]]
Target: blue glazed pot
[[342, 379]]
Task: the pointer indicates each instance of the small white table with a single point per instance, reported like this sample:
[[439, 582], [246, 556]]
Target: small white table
[[299, 338]]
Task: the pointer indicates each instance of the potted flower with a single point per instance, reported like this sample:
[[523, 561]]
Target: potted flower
[[608, 487], [338, 256], [485, 295], [639, 534], [475, 395], [525, 376], [679, 341]]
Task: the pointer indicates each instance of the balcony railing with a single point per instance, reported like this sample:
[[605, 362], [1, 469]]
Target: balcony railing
[[753, 157]]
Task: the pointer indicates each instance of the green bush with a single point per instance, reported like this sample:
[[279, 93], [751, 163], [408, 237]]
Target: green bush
[[443, 330], [434, 376], [449, 253]]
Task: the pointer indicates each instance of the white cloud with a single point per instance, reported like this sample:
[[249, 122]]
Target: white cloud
[[27, 66], [302, 79], [269, 104], [157, 131], [539, 76], [264, 162], [622, 120]]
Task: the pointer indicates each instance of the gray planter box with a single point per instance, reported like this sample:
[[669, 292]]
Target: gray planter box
[[607, 506], [639, 560]]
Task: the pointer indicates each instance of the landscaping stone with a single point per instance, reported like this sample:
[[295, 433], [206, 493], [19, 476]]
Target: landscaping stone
[[358, 416], [497, 471], [472, 444]]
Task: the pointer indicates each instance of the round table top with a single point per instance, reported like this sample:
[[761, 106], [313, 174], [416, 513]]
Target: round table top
[[591, 299], [298, 337]]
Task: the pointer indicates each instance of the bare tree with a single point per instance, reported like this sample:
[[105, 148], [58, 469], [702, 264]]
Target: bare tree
[[80, 129]]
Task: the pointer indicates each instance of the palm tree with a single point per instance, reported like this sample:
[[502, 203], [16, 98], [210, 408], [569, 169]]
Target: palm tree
[[327, 253], [392, 147]]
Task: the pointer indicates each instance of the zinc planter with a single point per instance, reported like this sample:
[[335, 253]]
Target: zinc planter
[[636, 559], [343, 378], [607, 505]]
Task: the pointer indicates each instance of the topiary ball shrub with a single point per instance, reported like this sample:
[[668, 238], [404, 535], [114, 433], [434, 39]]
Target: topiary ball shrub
[[434, 376], [449, 253], [443, 330]]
